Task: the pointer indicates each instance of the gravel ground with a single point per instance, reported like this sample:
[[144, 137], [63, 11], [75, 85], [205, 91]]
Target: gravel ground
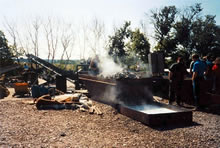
[[22, 125]]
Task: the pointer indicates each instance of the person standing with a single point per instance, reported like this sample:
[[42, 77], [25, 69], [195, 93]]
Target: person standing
[[216, 74], [209, 64], [199, 69], [176, 76], [94, 67], [26, 67]]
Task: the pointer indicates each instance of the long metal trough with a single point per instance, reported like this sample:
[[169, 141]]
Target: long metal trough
[[133, 98], [157, 114]]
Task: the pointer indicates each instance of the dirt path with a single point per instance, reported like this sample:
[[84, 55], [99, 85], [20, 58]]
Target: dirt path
[[22, 125]]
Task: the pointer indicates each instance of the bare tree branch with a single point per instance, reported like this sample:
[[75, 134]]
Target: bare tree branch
[[98, 32], [33, 32], [67, 41], [12, 30]]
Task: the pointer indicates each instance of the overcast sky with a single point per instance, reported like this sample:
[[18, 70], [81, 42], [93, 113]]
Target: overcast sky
[[112, 12], [108, 10]]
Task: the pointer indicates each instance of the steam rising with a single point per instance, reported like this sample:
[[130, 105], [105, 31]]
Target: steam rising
[[119, 94], [111, 94], [108, 67]]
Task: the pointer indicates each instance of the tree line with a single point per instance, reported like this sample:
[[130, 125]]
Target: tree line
[[183, 32], [176, 32]]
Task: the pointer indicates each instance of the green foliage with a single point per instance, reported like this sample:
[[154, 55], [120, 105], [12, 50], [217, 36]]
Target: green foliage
[[67, 65], [117, 42], [163, 21], [128, 47], [5, 53], [140, 45], [205, 35], [185, 32], [184, 27]]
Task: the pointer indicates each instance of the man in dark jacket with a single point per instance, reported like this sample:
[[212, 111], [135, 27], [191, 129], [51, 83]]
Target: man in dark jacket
[[176, 77]]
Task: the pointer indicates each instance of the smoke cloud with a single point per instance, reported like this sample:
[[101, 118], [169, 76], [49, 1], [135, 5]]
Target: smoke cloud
[[108, 67]]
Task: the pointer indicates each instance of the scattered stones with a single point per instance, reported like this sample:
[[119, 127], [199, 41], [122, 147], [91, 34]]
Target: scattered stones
[[62, 134], [22, 125]]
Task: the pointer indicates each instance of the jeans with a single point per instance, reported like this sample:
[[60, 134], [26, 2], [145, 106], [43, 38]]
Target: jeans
[[196, 90]]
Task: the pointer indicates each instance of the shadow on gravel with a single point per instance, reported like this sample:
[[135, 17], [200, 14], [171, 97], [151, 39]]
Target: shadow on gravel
[[214, 109], [21, 97], [211, 109], [166, 128]]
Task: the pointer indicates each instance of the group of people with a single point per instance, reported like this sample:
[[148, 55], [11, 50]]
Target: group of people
[[200, 70]]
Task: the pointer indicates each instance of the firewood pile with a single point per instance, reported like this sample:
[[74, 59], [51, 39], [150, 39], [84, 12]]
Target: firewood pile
[[67, 101], [123, 75]]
